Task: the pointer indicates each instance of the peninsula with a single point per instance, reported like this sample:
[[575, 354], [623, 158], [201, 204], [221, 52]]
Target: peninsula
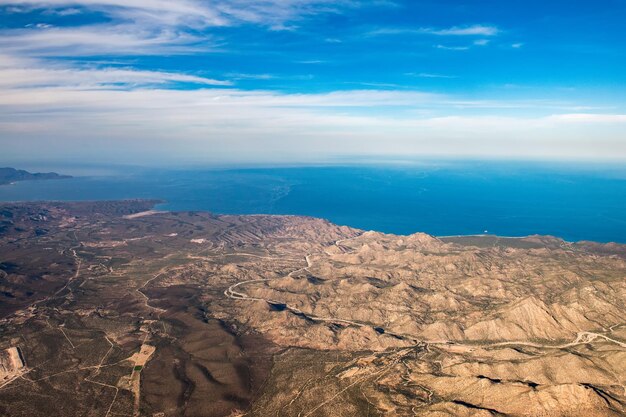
[[10, 175]]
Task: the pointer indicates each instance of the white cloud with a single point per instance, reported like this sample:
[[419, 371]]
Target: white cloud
[[590, 118], [243, 76], [94, 78], [151, 26], [168, 126], [96, 120], [96, 111], [471, 30], [452, 48], [99, 40], [66, 11], [429, 75], [189, 12], [196, 13]]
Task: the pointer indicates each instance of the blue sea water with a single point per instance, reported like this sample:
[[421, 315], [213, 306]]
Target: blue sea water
[[447, 199]]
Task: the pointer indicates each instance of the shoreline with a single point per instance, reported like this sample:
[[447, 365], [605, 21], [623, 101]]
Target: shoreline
[[160, 202], [498, 236]]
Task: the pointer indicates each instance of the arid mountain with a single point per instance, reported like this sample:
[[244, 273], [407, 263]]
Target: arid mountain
[[9, 175], [114, 309]]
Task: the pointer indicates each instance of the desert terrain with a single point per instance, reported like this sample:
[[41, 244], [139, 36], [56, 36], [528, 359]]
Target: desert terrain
[[116, 309]]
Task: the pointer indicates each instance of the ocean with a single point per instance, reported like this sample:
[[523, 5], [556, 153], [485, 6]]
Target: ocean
[[573, 203]]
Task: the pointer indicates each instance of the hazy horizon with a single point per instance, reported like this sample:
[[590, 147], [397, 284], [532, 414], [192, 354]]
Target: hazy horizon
[[605, 168]]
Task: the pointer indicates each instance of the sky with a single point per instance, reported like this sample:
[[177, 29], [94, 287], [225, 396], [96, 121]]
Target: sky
[[165, 82]]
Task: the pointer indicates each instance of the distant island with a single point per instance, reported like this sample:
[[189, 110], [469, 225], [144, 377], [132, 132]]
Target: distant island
[[9, 175]]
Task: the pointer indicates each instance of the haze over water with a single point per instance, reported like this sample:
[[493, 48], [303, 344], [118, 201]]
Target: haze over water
[[455, 199]]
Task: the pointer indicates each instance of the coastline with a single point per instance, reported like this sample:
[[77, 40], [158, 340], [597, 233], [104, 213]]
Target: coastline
[[443, 204], [151, 209]]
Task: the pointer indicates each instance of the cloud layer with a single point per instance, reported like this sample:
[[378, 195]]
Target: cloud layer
[[89, 111]]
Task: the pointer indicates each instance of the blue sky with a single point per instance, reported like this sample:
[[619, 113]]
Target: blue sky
[[234, 81]]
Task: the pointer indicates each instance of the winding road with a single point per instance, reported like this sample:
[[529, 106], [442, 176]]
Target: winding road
[[581, 337]]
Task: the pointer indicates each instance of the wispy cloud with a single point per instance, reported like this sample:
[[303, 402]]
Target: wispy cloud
[[180, 12], [70, 11], [470, 30], [101, 40], [473, 30], [429, 75], [181, 125], [267, 77], [194, 13], [101, 110], [311, 61], [590, 118], [452, 48], [28, 74], [68, 82], [150, 26], [243, 76]]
